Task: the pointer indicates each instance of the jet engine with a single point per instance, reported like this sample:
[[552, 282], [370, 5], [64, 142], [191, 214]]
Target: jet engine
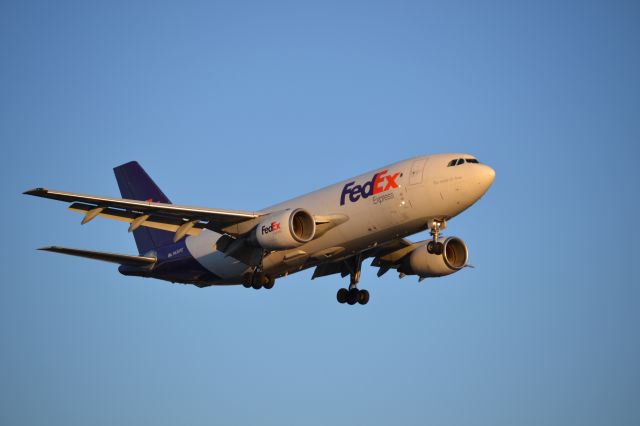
[[284, 230], [424, 264]]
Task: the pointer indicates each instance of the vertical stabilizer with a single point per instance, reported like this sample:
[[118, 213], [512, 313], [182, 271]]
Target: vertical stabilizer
[[135, 184]]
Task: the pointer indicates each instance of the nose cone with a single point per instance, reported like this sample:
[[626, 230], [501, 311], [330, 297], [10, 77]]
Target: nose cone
[[486, 176]]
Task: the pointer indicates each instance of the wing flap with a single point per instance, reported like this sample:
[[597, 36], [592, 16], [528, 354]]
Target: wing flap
[[151, 221], [330, 268]]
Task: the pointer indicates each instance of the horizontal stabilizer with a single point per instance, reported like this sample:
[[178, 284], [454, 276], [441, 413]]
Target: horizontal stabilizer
[[122, 259]]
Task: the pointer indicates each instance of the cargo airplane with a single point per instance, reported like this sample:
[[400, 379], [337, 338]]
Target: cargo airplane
[[332, 230]]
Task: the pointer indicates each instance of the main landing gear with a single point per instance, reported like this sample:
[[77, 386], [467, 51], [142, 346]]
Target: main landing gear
[[353, 295], [258, 280], [434, 246]]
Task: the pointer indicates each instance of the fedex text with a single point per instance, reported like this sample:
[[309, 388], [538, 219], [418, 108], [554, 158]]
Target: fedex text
[[380, 182], [275, 226]]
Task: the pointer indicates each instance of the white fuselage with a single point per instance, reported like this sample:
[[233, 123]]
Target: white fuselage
[[402, 201]]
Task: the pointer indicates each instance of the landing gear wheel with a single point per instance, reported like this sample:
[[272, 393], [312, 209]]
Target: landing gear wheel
[[430, 247], [258, 280], [439, 249], [268, 282], [363, 297], [352, 297], [342, 295]]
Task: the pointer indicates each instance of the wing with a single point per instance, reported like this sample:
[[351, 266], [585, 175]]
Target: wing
[[386, 256], [183, 220], [391, 255]]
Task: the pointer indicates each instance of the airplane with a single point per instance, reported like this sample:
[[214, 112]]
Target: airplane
[[333, 229]]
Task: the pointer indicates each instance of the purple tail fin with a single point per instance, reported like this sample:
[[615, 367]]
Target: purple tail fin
[[135, 184]]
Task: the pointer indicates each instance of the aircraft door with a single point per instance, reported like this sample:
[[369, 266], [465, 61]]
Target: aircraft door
[[417, 170], [419, 176]]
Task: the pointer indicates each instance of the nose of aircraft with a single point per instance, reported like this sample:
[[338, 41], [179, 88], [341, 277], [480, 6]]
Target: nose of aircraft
[[486, 175]]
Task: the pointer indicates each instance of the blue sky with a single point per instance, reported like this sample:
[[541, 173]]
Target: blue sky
[[243, 104]]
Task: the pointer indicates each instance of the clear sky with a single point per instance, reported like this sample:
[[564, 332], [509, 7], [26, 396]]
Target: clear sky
[[243, 104]]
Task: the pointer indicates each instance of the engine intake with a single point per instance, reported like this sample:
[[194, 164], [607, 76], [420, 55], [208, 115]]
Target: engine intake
[[285, 230], [424, 264]]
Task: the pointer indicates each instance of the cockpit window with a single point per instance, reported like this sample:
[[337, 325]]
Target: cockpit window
[[459, 161]]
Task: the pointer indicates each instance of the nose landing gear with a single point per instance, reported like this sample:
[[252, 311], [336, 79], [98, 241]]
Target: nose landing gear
[[353, 295], [434, 246]]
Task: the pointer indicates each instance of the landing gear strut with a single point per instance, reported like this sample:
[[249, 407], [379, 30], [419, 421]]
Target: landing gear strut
[[434, 246], [353, 295]]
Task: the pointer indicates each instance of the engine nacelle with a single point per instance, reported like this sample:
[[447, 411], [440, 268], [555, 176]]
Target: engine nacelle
[[285, 230], [424, 264]]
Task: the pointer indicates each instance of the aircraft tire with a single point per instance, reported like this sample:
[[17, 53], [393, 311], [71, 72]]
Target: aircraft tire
[[269, 282], [352, 298], [363, 297], [342, 295], [430, 247], [439, 249]]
